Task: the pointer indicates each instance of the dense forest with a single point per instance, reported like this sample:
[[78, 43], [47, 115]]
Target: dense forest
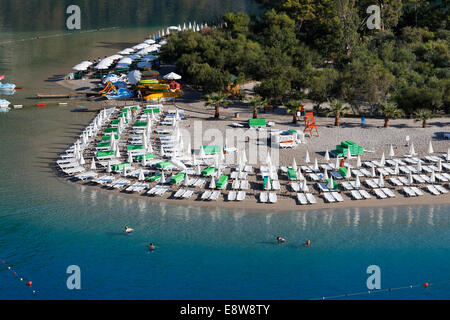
[[324, 51]]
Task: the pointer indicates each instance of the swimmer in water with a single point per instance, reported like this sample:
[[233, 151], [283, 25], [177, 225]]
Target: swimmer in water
[[307, 243], [281, 240], [151, 247], [128, 229]]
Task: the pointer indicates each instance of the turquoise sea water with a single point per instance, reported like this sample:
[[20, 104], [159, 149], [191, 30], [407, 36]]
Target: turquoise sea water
[[47, 224]]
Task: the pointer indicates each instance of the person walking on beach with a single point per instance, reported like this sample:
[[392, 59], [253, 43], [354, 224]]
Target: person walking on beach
[[280, 240], [128, 230]]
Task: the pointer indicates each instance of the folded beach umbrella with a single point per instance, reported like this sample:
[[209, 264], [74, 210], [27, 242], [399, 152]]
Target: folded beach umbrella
[[199, 170], [410, 178], [430, 148], [358, 162], [300, 175], [412, 151], [294, 165], [186, 180], [124, 171], [162, 152], [433, 177], [337, 164], [391, 151], [316, 165], [396, 169], [349, 154], [447, 158], [383, 160], [212, 185], [144, 161], [330, 184], [130, 158], [307, 159], [419, 166], [327, 156], [381, 181], [357, 183], [440, 165], [82, 161], [117, 154], [108, 167], [325, 175], [373, 171], [93, 166], [244, 158], [305, 186], [348, 174]]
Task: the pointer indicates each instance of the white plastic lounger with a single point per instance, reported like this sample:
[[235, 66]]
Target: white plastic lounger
[[395, 182], [245, 185], [371, 184], [403, 180], [264, 197], [408, 191], [206, 195], [179, 193], [347, 185], [380, 194], [323, 187], [433, 190], [357, 173], [162, 191], [314, 177], [356, 195], [236, 185], [365, 194], [273, 198], [232, 196], [215, 196], [441, 178], [241, 196], [188, 194], [302, 199], [295, 186], [441, 189], [328, 197], [337, 196], [425, 178], [417, 191], [388, 192], [365, 172], [418, 178], [276, 185], [311, 198], [200, 183]]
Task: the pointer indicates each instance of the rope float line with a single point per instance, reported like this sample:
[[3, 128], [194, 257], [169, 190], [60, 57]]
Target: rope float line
[[58, 35], [28, 283], [426, 285]]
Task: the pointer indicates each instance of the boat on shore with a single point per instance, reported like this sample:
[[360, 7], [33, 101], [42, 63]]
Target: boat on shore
[[4, 106], [7, 87]]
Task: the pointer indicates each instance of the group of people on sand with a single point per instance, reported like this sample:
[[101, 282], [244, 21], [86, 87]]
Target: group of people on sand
[[129, 230], [282, 240]]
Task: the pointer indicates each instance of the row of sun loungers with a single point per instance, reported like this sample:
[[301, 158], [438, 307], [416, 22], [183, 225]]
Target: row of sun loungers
[[265, 197], [211, 195], [236, 196], [306, 198]]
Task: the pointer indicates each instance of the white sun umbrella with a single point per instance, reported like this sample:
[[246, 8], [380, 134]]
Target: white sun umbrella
[[412, 151], [125, 61], [82, 161], [172, 76], [349, 154], [357, 183], [316, 165], [419, 166], [373, 172], [330, 184], [202, 153], [383, 160], [130, 158], [381, 181], [325, 175], [391, 151], [410, 178], [439, 165], [268, 185], [150, 148], [305, 187], [244, 158], [433, 176], [134, 77], [144, 160], [141, 175], [212, 185], [396, 169], [358, 162], [300, 175], [348, 174], [126, 51], [447, 158], [93, 166], [307, 159], [199, 170], [108, 167], [117, 154], [124, 171], [80, 67], [162, 152], [336, 165], [186, 180], [430, 148], [294, 165], [327, 156]]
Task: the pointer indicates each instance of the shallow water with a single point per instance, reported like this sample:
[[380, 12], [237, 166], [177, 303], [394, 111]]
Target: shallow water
[[47, 224]]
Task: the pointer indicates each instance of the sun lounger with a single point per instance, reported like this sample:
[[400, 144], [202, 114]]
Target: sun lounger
[[337, 196], [245, 185], [232, 196], [409, 192], [273, 198], [365, 194], [179, 193], [433, 190], [357, 173], [418, 178], [441, 178], [336, 175], [311, 198], [314, 177], [276, 185], [215, 196], [395, 182], [264, 197], [302, 199], [417, 191], [200, 183], [295, 186], [241, 196], [161, 191], [188, 194], [403, 180], [441, 189], [371, 183], [86, 176], [236, 185], [365, 172], [380, 194], [206, 195], [328, 197], [356, 195], [388, 192]]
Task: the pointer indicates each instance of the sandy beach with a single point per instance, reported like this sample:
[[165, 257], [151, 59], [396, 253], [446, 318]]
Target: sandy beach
[[373, 137]]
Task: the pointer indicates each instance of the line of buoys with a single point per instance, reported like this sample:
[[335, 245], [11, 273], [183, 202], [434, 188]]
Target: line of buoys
[[29, 283], [426, 285]]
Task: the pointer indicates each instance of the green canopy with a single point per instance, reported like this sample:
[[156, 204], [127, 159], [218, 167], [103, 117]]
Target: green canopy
[[266, 181], [212, 149], [177, 179], [222, 182], [154, 178], [209, 171], [104, 145], [147, 156], [152, 110], [334, 184], [111, 130], [253, 123], [132, 147], [140, 124], [119, 167], [107, 138], [163, 165], [102, 154], [291, 174]]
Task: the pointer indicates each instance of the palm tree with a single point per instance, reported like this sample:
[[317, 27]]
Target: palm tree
[[257, 102], [216, 100], [423, 115], [292, 107], [390, 111], [337, 109]]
